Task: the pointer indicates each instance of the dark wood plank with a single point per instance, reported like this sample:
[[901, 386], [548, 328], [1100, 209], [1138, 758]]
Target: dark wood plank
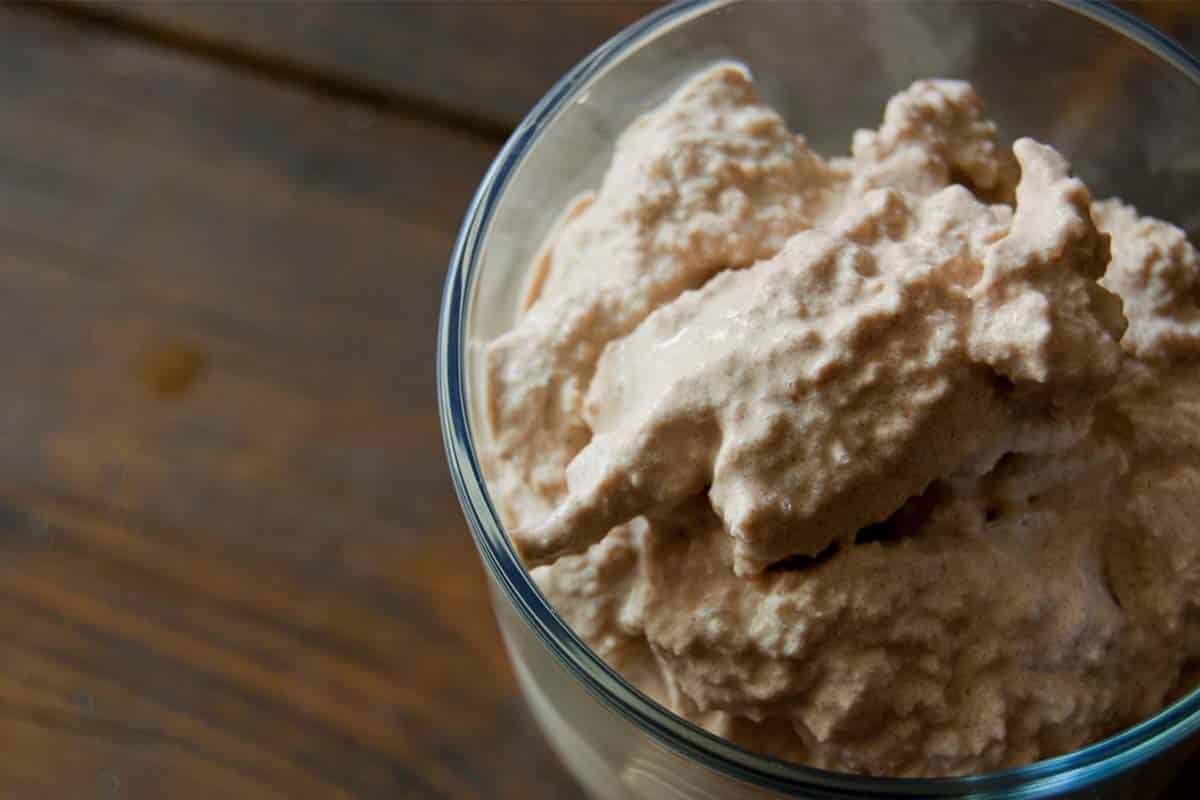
[[231, 563], [1179, 19], [492, 59]]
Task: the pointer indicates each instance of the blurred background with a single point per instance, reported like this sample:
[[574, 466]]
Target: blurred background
[[231, 561]]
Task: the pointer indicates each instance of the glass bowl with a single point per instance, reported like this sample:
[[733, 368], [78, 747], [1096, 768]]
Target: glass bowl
[[1119, 99]]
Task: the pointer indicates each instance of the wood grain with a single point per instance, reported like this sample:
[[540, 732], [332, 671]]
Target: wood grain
[[254, 582], [1179, 19], [230, 560], [492, 59], [488, 60]]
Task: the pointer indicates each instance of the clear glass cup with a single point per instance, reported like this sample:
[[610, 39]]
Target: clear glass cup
[[1120, 100]]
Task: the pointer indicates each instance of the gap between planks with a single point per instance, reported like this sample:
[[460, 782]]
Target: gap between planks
[[271, 67]]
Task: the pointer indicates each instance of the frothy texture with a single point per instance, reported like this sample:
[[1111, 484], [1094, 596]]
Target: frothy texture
[[887, 463]]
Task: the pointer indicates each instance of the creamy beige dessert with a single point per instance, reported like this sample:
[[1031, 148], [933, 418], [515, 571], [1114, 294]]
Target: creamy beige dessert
[[885, 464]]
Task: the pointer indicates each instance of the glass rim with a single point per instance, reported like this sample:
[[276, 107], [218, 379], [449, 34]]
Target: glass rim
[[1082, 767]]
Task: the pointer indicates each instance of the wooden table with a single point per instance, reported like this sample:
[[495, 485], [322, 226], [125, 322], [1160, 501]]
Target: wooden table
[[232, 564]]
